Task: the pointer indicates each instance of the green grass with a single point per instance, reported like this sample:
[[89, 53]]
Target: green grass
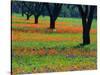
[[46, 45], [51, 63], [55, 62], [62, 45]]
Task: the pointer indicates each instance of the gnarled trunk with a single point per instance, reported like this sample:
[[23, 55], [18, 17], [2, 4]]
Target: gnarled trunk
[[28, 17], [87, 18], [52, 23], [86, 31], [36, 19], [22, 13], [86, 35]]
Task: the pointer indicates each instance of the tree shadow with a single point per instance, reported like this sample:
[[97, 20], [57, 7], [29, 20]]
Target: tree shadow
[[81, 45]]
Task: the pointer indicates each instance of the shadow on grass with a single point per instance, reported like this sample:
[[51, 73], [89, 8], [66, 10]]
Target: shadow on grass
[[81, 45]]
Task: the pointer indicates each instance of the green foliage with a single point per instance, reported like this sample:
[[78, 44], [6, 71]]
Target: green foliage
[[66, 11]]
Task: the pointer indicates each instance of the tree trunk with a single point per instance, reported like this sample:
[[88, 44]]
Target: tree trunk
[[36, 19], [86, 35], [28, 17], [22, 13], [87, 22], [87, 17], [86, 31], [52, 23]]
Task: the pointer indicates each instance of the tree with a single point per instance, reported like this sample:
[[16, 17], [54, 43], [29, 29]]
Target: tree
[[86, 13], [20, 5], [33, 9], [22, 8], [54, 10], [38, 7], [28, 9]]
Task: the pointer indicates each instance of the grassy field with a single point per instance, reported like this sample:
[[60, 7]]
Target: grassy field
[[35, 48]]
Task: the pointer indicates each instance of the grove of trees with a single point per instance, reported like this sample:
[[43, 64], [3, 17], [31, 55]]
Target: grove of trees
[[54, 10]]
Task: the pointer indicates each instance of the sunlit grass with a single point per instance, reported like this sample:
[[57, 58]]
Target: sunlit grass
[[52, 63]]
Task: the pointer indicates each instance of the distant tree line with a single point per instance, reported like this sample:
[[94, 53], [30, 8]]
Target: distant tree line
[[67, 10], [55, 10]]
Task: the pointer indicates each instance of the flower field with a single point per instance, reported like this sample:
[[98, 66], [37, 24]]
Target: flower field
[[37, 49]]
